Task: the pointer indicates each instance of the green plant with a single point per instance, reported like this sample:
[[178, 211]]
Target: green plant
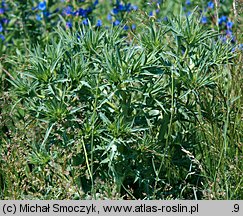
[[145, 115]]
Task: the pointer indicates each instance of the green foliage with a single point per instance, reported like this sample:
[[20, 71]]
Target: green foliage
[[96, 115], [146, 114]]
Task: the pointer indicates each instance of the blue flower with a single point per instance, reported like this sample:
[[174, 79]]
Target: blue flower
[[229, 24], [82, 12], [34, 8], [99, 23], [133, 26], [233, 39], [46, 14], [240, 46], [128, 7], [85, 21], [121, 7], [229, 33], [96, 2], [223, 38], [42, 6], [188, 2], [151, 13], [56, 10], [4, 4], [2, 37], [1, 27], [222, 19], [116, 23], [115, 11], [134, 7], [1, 10], [125, 27], [89, 10], [68, 11], [38, 17], [204, 20], [69, 24], [210, 5], [109, 17], [188, 13], [5, 21], [165, 18]]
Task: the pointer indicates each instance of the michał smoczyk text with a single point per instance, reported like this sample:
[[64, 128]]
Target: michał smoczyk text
[[56, 208]]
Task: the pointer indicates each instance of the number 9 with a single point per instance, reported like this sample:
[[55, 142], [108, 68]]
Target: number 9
[[236, 207]]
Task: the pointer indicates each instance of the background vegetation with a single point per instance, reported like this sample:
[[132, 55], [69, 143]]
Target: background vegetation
[[121, 100]]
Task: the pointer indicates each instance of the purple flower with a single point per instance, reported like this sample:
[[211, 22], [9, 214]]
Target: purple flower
[[133, 26], [1, 27], [42, 6], [210, 5], [229, 33]]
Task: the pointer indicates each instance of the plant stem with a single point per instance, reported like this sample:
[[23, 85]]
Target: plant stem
[[92, 137]]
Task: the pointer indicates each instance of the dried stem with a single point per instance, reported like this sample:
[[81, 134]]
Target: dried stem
[[216, 2], [235, 9], [11, 77]]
